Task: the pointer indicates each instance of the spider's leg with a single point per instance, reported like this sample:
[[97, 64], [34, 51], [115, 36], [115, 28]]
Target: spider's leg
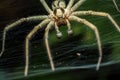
[[69, 27], [70, 4], [46, 6], [7, 28], [47, 45], [77, 13], [116, 6], [94, 28], [59, 34], [29, 36], [78, 4]]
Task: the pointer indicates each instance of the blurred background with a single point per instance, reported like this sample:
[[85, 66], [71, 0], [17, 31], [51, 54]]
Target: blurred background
[[75, 56]]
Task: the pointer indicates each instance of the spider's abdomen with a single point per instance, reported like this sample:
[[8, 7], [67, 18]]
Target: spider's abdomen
[[61, 21]]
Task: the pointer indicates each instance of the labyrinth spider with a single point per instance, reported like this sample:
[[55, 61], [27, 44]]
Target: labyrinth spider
[[60, 14]]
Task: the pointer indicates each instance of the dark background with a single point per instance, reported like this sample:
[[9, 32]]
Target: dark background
[[69, 66]]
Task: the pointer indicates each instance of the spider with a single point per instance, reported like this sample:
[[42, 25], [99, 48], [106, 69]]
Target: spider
[[60, 14]]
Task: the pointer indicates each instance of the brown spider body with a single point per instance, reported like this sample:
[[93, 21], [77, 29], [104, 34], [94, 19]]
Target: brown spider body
[[61, 21]]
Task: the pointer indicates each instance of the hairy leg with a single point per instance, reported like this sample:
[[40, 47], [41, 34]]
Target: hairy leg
[[94, 28], [59, 34], [47, 45], [7, 28], [116, 6], [69, 31], [29, 36], [46, 6], [70, 4], [69, 28], [78, 4], [78, 13]]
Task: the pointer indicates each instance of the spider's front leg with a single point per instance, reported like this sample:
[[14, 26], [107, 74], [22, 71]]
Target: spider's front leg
[[78, 4], [29, 36], [69, 28], [70, 4], [46, 6], [103, 14], [94, 28], [59, 34], [69, 31], [116, 6], [7, 28]]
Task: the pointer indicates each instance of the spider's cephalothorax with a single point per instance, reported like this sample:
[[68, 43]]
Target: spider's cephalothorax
[[59, 14]]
